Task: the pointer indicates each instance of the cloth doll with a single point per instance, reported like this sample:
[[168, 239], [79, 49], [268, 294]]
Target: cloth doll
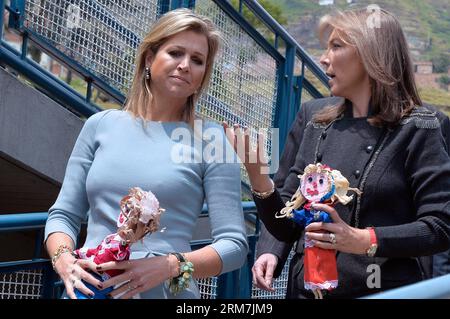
[[318, 184], [139, 215]]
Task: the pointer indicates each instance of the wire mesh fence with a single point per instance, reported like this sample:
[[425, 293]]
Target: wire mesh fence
[[243, 88], [279, 284], [101, 35], [208, 288], [23, 284], [29, 284]]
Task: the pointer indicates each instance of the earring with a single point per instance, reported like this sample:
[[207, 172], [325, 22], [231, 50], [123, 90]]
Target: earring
[[147, 73]]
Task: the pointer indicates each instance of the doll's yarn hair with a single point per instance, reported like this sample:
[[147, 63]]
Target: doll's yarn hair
[[341, 187]]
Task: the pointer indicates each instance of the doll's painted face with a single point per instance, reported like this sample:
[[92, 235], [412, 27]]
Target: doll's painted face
[[314, 186]]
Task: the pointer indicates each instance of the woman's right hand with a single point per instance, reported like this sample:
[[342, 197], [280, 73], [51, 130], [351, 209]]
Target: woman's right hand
[[249, 155], [263, 270], [254, 158], [72, 271]]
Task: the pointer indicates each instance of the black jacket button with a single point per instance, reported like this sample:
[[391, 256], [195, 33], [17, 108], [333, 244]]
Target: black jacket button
[[324, 135], [369, 149], [319, 157], [357, 173]]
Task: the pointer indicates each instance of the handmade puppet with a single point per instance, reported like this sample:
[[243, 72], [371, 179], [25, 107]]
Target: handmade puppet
[[139, 215], [318, 184]]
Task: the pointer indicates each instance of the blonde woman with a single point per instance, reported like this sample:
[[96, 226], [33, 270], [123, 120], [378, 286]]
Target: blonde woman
[[117, 150], [378, 134]]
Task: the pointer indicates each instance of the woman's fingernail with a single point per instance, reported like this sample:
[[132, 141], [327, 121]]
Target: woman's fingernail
[[98, 268], [100, 286]]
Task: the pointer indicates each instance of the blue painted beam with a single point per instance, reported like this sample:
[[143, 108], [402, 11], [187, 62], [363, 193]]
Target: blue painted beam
[[38, 219], [278, 29], [43, 44], [2, 8], [23, 221], [55, 87]]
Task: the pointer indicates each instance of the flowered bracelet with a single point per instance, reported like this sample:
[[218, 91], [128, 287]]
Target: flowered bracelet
[[59, 251], [181, 282]]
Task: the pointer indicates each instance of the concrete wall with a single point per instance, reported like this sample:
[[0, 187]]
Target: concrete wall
[[36, 139], [36, 132]]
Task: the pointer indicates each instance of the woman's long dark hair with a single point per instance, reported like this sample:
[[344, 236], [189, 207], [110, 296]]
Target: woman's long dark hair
[[382, 47]]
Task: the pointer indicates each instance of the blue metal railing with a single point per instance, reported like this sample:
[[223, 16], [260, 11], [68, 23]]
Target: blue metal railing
[[289, 86], [53, 86], [235, 284]]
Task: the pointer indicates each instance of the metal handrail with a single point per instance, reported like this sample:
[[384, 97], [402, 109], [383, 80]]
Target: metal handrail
[[279, 30], [226, 288], [36, 220], [52, 85], [436, 288], [18, 17]]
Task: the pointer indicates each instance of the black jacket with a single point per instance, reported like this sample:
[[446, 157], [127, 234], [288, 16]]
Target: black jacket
[[404, 174]]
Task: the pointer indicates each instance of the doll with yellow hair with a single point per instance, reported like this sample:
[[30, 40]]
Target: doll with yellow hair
[[318, 184]]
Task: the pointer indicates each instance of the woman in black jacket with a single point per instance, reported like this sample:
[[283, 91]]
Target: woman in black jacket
[[385, 142]]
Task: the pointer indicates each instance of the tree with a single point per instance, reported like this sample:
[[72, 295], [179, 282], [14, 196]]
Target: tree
[[444, 79], [273, 9], [441, 62]]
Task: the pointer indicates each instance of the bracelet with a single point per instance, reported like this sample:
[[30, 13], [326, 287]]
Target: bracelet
[[62, 249], [181, 282], [264, 195]]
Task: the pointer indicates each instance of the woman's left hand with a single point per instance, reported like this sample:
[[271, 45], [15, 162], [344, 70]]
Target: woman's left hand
[[338, 234], [139, 275]]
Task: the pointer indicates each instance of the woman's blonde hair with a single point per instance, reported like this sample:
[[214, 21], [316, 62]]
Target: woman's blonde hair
[[170, 24], [382, 47]]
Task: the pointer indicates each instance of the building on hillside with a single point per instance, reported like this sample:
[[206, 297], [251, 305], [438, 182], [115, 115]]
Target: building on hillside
[[423, 67], [326, 2]]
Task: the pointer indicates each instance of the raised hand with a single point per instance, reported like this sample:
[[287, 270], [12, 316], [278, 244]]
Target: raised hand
[[254, 158]]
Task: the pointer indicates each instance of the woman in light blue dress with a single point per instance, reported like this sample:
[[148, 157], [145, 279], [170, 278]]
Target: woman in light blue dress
[[140, 146]]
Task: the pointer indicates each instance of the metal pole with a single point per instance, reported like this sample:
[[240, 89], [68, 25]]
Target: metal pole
[[2, 8]]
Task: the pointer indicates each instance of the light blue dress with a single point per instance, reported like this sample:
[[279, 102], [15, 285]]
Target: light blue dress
[[116, 151]]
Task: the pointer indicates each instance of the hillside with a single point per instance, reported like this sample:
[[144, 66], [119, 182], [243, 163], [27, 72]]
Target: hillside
[[426, 23]]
